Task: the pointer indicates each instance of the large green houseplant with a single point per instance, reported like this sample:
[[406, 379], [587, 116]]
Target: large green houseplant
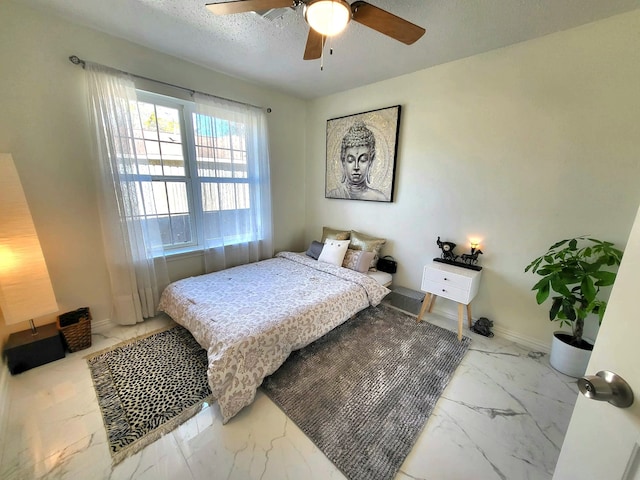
[[575, 270]]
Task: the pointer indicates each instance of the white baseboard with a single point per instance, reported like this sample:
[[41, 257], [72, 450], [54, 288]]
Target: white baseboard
[[529, 342], [4, 400], [502, 332], [101, 326]]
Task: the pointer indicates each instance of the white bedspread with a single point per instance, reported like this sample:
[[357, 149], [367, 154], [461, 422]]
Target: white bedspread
[[250, 318]]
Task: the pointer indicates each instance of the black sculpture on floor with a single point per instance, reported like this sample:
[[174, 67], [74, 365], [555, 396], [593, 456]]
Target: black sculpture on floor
[[483, 327]]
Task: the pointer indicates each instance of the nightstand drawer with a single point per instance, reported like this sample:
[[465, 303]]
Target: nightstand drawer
[[447, 277], [446, 290], [449, 281]]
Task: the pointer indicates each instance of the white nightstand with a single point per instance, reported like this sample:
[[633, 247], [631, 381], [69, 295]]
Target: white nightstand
[[449, 281]]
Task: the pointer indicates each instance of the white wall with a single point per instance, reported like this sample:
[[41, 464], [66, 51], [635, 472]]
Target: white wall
[[44, 124], [521, 146]]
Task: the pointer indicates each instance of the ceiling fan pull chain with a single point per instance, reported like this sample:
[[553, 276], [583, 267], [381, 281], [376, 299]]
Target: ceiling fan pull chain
[[333, 4], [322, 54]]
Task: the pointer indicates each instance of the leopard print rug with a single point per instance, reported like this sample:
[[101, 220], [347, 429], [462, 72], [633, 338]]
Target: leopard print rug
[[148, 386]]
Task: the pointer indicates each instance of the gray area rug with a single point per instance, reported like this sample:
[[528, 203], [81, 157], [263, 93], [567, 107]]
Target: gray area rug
[[148, 386], [363, 392]]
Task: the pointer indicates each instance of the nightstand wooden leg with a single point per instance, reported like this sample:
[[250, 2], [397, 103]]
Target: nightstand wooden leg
[[469, 314], [460, 319], [433, 302], [425, 304]]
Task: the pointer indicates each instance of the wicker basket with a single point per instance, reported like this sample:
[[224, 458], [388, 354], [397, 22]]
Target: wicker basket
[[75, 328]]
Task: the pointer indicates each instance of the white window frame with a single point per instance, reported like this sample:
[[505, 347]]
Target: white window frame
[[187, 109]]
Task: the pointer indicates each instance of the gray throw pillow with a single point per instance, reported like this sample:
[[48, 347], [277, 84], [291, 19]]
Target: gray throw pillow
[[315, 249]]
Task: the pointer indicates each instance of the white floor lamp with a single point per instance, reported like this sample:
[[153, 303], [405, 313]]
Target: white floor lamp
[[25, 287]]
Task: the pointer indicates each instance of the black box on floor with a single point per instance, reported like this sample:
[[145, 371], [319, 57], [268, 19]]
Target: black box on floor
[[25, 351]]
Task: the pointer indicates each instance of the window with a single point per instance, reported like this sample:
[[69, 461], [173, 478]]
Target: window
[[202, 185]]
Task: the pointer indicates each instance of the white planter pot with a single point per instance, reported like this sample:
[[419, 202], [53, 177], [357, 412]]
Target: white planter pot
[[568, 359]]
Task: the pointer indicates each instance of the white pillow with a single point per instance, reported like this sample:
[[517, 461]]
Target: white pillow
[[333, 251]]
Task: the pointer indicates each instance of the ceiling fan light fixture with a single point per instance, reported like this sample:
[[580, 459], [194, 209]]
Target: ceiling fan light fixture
[[328, 17]]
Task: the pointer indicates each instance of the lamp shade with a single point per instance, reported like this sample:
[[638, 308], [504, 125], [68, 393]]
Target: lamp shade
[[25, 287], [328, 17]]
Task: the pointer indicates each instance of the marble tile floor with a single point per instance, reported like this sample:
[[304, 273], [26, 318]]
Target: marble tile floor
[[503, 416]]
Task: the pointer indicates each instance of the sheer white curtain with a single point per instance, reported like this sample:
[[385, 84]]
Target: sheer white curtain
[[130, 231], [232, 158]]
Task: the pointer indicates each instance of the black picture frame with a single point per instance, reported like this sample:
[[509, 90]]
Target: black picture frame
[[351, 173]]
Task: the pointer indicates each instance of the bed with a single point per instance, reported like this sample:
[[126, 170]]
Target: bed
[[250, 318]]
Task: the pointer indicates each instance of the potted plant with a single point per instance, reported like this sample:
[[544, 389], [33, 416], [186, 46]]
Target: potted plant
[[574, 270]]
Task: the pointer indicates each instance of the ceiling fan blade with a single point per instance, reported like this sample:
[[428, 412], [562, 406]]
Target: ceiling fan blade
[[315, 44], [241, 6], [386, 23]]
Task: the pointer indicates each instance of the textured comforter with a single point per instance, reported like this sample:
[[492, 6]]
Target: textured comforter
[[250, 318]]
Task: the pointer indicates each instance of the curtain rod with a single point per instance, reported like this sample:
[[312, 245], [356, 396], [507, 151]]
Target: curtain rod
[[78, 61]]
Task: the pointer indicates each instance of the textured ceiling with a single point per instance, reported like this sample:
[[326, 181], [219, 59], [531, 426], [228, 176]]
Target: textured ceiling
[[269, 52]]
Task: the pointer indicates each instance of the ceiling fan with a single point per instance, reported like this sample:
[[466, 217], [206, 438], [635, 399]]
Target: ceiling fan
[[329, 17]]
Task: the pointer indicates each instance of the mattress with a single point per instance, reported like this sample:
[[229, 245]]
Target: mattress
[[383, 278]]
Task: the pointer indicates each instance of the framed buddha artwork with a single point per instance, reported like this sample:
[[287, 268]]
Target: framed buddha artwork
[[361, 155]]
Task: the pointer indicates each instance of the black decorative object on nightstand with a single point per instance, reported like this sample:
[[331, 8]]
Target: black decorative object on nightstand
[[466, 260], [471, 258], [25, 351], [447, 250]]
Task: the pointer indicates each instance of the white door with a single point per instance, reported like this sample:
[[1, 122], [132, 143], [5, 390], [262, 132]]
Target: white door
[[603, 441]]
